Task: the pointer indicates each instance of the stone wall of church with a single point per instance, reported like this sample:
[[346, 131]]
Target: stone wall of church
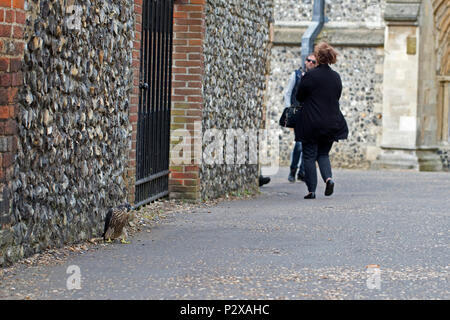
[[356, 30], [235, 58], [72, 124]]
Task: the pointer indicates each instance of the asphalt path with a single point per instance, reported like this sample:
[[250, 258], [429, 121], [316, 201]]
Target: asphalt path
[[381, 235]]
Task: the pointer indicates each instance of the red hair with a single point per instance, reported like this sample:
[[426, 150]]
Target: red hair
[[325, 54]]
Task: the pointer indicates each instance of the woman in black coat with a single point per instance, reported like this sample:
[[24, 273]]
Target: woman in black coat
[[320, 121]]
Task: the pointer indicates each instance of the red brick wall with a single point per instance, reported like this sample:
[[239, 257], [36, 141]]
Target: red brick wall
[[134, 100], [187, 100], [12, 21]]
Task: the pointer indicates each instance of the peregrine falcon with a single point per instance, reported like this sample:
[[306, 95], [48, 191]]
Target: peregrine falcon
[[115, 222]]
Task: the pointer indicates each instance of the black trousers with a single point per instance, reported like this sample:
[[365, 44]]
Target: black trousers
[[319, 152]]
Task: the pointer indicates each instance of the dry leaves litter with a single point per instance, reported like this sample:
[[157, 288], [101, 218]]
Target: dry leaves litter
[[143, 219]]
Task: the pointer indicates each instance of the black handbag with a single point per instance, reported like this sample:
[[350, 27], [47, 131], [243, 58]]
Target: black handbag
[[288, 117]]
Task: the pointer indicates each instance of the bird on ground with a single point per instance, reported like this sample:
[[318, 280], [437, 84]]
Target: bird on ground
[[115, 222]]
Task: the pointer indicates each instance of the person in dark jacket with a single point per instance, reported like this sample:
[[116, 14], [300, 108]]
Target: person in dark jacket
[[320, 121], [291, 99]]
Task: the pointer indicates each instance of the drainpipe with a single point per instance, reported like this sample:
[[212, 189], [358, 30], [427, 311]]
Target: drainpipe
[[313, 30]]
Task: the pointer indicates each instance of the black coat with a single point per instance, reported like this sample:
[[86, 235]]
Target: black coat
[[320, 118]]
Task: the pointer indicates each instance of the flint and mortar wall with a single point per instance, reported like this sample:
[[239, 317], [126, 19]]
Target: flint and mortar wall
[[69, 74], [335, 10], [236, 54], [72, 123], [356, 30]]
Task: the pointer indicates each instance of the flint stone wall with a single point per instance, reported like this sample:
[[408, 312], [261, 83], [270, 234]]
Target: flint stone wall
[[361, 71], [72, 124], [360, 102], [335, 10], [235, 61]]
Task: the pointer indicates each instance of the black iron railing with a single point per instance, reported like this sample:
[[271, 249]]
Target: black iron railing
[[153, 129]]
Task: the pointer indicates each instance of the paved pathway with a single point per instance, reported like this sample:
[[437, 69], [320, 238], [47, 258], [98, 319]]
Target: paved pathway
[[277, 246]]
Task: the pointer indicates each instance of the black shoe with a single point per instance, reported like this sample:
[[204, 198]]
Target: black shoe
[[263, 180], [301, 177], [329, 188], [291, 177], [311, 195]]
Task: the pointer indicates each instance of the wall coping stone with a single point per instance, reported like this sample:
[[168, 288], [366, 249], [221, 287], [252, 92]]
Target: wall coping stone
[[403, 1], [411, 148], [331, 24], [337, 34]]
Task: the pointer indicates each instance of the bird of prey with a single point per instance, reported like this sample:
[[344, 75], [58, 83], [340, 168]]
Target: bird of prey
[[115, 222]]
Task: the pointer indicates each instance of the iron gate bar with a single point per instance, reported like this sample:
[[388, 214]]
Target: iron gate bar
[[156, 132], [158, 88], [148, 94], [157, 93], [142, 97], [152, 172], [167, 91], [169, 87], [153, 93], [150, 102], [163, 88], [152, 198], [152, 177]]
